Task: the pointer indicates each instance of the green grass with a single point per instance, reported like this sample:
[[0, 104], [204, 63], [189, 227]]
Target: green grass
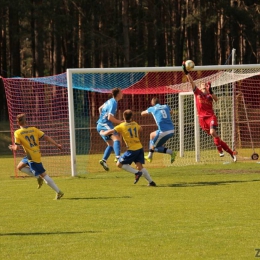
[[196, 212]]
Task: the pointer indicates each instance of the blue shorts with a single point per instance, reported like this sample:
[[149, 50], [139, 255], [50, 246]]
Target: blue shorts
[[25, 160], [162, 137], [132, 156], [105, 127], [36, 168]]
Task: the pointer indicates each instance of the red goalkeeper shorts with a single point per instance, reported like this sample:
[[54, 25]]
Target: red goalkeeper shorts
[[207, 123]]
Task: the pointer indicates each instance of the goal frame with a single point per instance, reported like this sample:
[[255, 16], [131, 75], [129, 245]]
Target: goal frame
[[70, 72], [182, 95]]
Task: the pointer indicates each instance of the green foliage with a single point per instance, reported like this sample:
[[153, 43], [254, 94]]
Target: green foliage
[[5, 138], [198, 212]]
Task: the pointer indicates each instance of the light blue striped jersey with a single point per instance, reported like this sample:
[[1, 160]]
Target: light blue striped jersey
[[162, 117], [110, 107]]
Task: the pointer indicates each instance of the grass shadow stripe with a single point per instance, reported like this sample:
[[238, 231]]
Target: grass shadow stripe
[[206, 183], [47, 233], [98, 198]]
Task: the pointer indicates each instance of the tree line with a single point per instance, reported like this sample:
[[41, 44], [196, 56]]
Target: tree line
[[45, 37]]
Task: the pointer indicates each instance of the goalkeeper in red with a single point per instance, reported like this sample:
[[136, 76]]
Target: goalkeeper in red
[[204, 97]]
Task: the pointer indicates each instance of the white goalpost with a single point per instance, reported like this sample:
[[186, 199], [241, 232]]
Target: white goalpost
[[65, 107], [182, 96]]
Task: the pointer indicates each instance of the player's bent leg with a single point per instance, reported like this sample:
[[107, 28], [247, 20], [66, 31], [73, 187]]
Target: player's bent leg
[[130, 169], [137, 176], [23, 167], [149, 157], [148, 177], [103, 163], [49, 181], [159, 141], [59, 195], [217, 142], [127, 158], [108, 149], [234, 156], [106, 155], [40, 182], [116, 144], [107, 152], [26, 170]]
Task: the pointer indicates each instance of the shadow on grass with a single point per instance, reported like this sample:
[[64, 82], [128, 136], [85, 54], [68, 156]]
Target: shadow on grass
[[206, 183], [47, 233], [98, 198]]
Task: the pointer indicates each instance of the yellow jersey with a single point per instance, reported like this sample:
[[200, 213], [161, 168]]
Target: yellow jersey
[[130, 134], [29, 138]]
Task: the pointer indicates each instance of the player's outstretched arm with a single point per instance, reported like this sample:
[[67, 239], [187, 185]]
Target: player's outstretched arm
[[113, 119], [189, 78], [100, 109], [214, 97], [145, 112], [50, 140], [13, 147], [108, 132], [210, 90]]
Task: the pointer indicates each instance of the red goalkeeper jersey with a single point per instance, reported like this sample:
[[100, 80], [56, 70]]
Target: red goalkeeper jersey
[[204, 103]]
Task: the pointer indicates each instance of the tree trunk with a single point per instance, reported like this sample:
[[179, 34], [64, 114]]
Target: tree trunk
[[125, 31], [39, 39], [150, 35], [14, 41]]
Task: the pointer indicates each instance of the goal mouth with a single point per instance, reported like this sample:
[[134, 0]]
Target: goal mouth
[[65, 107]]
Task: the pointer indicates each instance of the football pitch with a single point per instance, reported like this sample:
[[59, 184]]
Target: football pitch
[[195, 212]]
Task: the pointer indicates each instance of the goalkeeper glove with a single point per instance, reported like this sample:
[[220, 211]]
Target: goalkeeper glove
[[210, 88], [184, 68]]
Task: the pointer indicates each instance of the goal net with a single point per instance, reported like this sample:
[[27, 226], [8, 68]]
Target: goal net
[[65, 107]]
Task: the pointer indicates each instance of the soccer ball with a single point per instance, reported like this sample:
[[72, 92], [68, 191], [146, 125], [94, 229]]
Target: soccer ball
[[189, 64]]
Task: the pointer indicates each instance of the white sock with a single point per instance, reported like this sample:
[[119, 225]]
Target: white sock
[[150, 155], [49, 181], [128, 168], [27, 171], [146, 175]]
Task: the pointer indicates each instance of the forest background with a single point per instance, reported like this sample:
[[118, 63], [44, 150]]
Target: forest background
[[42, 38]]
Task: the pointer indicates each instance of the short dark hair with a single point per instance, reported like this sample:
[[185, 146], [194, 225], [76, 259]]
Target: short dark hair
[[21, 119], [128, 115], [155, 100], [115, 91]]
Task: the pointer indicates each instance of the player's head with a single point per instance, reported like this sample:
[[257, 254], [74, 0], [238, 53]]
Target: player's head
[[155, 101], [203, 87], [21, 119], [117, 93], [127, 115]]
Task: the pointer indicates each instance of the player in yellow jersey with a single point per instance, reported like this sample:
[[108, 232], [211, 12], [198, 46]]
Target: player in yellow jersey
[[129, 130], [28, 137]]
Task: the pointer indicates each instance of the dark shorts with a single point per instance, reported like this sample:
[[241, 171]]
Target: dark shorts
[[132, 156]]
